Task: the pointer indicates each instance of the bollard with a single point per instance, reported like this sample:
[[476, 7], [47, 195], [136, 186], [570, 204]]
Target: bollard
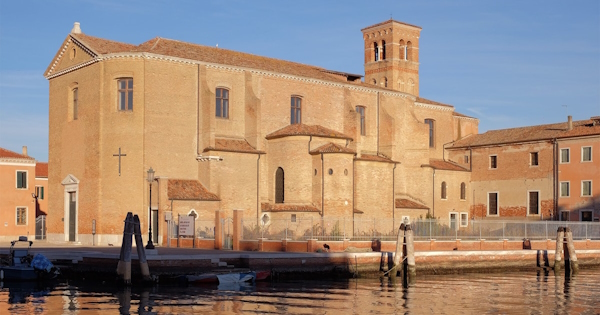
[[140, 249], [572, 256], [558, 252], [399, 243]]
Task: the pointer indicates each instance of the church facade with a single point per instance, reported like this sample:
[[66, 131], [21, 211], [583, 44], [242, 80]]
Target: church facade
[[226, 130]]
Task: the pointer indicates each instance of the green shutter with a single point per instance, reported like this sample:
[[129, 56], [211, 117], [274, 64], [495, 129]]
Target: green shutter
[[19, 180], [42, 191]]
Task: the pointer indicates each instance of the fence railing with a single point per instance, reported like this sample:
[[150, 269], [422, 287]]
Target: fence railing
[[424, 229]]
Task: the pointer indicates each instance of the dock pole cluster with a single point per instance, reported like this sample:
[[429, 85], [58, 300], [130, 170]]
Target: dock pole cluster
[[132, 227], [564, 243], [404, 258]]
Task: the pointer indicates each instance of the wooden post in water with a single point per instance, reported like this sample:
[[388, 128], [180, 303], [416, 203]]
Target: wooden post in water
[[139, 244], [571, 247], [410, 253], [398, 255], [122, 266], [559, 244]]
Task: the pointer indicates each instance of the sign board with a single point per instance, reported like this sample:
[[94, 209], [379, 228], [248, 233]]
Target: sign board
[[186, 225]]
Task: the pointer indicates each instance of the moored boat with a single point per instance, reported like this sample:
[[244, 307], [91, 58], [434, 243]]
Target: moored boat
[[22, 266]]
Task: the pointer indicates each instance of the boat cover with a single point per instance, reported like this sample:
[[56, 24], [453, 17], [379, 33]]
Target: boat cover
[[40, 262]]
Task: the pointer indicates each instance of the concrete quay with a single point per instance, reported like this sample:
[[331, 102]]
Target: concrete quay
[[171, 262]]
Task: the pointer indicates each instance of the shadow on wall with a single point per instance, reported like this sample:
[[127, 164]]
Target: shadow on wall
[[588, 211]]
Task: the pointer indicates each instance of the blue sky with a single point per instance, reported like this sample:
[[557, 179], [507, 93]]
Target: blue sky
[[508, 63]]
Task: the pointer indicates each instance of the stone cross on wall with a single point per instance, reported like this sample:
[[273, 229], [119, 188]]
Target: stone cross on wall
[[119, 155]]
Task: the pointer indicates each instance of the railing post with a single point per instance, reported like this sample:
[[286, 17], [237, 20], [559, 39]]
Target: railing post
[[525, 229]]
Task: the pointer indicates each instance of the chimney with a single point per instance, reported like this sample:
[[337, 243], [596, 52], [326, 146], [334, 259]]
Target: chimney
[[570, 123], [76, 29], [25, 150]]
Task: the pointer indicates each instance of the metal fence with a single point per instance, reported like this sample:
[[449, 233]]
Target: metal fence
[[384, 229]]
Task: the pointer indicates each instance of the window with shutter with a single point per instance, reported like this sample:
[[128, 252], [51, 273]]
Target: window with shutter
[[493, 203], [534, 202]]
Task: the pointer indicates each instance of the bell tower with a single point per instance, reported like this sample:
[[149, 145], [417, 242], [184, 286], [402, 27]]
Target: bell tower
[[392, 56]]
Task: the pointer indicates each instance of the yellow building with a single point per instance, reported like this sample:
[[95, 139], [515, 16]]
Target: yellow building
[[227, 130]]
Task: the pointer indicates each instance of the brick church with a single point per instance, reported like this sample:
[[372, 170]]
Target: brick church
[[225, 130]]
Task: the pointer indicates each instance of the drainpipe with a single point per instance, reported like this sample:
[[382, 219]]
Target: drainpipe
[[257, 189], [393, 197], [377, 123], [444, 150], [433, 194], [322, 187], [353, 191], [309, 141]]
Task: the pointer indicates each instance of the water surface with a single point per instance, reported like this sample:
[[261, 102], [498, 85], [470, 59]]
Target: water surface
[[534, 292]]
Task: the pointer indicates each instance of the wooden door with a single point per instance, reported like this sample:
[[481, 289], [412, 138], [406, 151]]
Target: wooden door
[[72, 215]]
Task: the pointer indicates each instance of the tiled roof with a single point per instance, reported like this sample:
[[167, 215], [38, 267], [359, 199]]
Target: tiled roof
[[41, 169], [374, 158], [102, 46], [229, 145], [388, 21], [409, 204], [306, 130], [530, 133], [4, 153], [179, 49], [188, 189], [445, 165], [461, 115], [426, 101], [282, 207], [332, 148]]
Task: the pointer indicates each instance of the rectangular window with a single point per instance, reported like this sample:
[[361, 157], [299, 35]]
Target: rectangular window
[[296, 110], [493, 161], [586, 188], [222, 103], [454, 220], [466, 159], [586, 215], [586, 154], [21, 216], [493, 203], [125, 94], [464, 219], [534, 158], [75, 100], [564, 189], [534, 202], [564, 155], [293, 218], [564, 215], [39, 192], [21, 180], [361, 111], [431, 125]]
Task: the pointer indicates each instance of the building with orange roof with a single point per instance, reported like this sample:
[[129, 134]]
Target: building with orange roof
[[23, 198], [534, 172], [228, 130]]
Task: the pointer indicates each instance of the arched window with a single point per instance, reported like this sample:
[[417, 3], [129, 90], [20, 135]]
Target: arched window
[[376, 49], [374, 82], [222, 103], [402, 50], [125, 90], [279, 181], [382, 50], [463, 191], [444, 196], [296, 110], [431, 124], [75, 103], [409, 51], [384, 82]]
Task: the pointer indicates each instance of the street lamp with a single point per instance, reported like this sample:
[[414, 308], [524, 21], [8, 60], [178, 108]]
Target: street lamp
[[150, 180]]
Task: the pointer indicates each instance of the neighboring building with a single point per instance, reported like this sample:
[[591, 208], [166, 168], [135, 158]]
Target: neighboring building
[[22, 179], [534, 172], [228, 130]]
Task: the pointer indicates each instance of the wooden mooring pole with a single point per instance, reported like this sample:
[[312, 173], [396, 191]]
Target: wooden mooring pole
[[124, 265], [559, 245], [410, 254], [140, 249], [398, 254], [570, 256]]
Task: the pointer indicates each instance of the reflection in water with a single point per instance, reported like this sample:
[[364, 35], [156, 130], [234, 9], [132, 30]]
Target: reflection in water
[[518, 293]]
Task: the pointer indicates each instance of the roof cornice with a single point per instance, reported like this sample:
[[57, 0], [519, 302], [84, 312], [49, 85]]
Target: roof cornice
[[436, 107]]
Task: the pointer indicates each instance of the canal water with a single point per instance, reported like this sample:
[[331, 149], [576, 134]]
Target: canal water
[[535, 292]]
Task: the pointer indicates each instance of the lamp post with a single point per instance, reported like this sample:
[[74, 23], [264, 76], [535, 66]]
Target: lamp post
[[150, 180]]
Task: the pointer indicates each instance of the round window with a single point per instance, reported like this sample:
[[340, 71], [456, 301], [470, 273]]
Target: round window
[[330, 172]]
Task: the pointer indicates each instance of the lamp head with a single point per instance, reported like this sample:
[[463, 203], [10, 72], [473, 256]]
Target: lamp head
[[150, 175]]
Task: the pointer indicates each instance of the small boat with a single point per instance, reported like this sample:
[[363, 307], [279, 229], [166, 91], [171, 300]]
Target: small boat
[[23, 266], [236, 277]]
